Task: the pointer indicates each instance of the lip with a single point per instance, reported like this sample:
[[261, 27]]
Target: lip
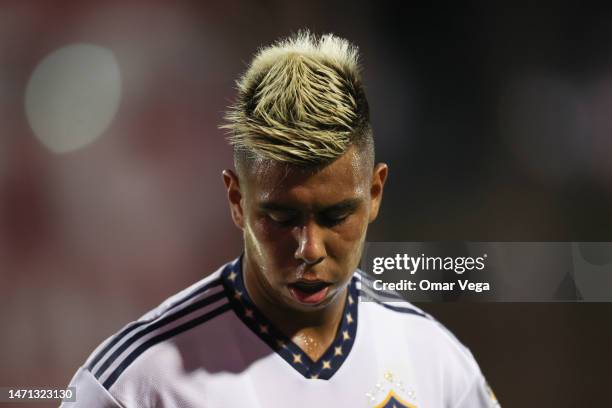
[[309, 292]]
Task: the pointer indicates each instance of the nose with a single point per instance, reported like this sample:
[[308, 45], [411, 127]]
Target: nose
[[311, 245]]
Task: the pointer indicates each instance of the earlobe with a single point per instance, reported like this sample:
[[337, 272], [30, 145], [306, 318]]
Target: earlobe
[[234, 197], [379, 176]]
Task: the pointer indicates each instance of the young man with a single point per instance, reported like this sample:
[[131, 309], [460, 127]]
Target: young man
[[283, 325]]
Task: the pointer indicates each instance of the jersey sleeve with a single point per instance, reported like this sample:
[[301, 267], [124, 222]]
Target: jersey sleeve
[[89, 392], [479, 395]]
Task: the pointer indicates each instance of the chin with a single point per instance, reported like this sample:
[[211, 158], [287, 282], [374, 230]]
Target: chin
[[300, 307]]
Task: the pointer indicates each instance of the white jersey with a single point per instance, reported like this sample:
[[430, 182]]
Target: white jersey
[[209, 346]]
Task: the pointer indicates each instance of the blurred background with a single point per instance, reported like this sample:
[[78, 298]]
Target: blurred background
[[496, 122]]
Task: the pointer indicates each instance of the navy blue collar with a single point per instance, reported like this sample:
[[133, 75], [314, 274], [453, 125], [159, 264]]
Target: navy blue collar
[[325, 367]]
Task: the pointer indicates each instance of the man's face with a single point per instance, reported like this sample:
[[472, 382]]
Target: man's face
[[304, 231]]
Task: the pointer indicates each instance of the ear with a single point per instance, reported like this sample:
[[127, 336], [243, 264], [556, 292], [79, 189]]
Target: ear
[[234, 197], [379, 176]]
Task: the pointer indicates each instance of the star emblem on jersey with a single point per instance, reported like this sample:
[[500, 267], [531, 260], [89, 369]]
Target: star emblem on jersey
[[391, 393], [331, 360], [346, 335]]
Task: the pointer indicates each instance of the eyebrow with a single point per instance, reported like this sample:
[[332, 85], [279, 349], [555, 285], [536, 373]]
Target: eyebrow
[[347, 204]]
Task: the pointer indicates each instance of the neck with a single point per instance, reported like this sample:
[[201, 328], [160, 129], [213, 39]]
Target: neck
[[312, 331]]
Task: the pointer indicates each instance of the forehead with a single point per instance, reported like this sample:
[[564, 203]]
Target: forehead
[[346, 177]]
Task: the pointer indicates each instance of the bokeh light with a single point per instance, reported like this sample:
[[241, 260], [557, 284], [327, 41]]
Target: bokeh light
[[72, 96]]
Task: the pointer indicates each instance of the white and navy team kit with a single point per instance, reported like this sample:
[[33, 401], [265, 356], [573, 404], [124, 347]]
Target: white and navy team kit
[[209, 346]]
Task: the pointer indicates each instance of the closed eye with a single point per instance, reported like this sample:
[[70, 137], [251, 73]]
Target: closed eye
[[332, 219], [282, 216]]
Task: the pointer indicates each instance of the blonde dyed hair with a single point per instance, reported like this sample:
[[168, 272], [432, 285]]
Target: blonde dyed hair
[[301, 101]]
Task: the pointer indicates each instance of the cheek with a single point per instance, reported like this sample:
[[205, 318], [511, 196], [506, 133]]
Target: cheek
[[349, 237], [270, 233], [355, 227], [274, 244]]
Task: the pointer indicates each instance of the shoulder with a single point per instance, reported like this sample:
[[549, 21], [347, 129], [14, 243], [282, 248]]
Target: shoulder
[[389, 311], [191, 307], [441, 360], [433, 349]]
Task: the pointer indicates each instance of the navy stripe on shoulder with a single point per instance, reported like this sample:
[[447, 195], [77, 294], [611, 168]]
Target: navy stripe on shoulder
[[127, 330], [112, 378], [397, 307], [156, 325], [404, 310]]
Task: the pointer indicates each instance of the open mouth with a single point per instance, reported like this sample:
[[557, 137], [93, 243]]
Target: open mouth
[[309, 292]]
